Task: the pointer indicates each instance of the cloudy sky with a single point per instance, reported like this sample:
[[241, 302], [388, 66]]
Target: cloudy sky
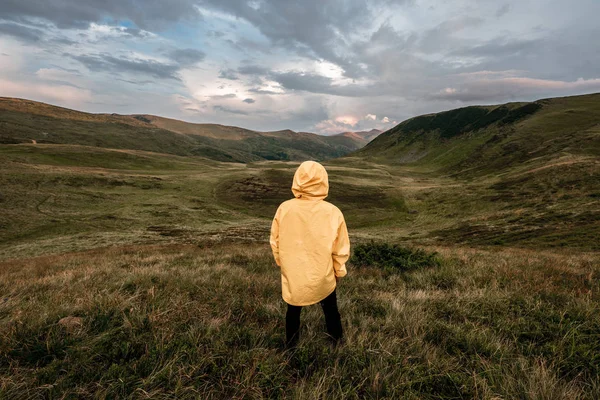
[[323, 66]]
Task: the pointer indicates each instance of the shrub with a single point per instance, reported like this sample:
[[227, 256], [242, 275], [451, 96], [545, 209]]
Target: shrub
[[392, 257]]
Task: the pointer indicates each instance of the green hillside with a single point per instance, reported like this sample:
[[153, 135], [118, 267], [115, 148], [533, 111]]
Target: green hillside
[[24, 121], [479, 140], [525, 174]]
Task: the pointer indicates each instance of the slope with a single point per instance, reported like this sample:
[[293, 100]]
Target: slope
[[525, 174], [479, 140], [362, 136], [25, 121]]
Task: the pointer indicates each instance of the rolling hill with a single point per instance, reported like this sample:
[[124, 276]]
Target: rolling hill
[[486, 139], [521, 173], [25, 121], [362, 136]]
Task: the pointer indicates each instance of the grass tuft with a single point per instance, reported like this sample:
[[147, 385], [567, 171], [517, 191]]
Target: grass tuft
[[393, 258]]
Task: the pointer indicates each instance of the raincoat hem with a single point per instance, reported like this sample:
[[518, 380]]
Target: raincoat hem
[[310, 303]]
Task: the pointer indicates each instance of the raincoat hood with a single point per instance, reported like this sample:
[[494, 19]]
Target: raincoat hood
[[310, 181]]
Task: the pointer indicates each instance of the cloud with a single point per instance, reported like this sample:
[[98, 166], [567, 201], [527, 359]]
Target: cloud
[[22, 32], [223, 96], [249, 101], [302, 81], [310, 28], [63, 94], [263, 91], [315, 83], [187, 57], [98, 31], [108, 63], [149, 15], [70, 78], [511, 88], [228, 74], [229, 110], [253, 70], [444, 35], [348, 120], [503, 10], [350, 123]]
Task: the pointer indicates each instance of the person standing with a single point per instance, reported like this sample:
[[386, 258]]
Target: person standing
[[310, 244]]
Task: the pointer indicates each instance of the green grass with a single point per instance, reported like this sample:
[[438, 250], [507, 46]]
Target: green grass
[[133, 274], [478, 141], [207, 321], [392, 258]]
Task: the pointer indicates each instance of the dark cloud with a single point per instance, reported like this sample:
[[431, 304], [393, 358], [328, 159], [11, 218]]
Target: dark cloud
[[253, 70], [22, 32], [151, 15], [560, 55], [71, 70], [310, 27], [107, 63], [224, 96], [228, 74], [314, 110], [135, 82], [302, 81], [250, 46], [249, 101], [313, 83], [442, 37], [261, 91], [503, 10], [187, 57], [229, 110]]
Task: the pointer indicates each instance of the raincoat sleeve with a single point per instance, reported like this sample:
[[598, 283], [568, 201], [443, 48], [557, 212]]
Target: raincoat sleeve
[[274, 239], [341, 249]]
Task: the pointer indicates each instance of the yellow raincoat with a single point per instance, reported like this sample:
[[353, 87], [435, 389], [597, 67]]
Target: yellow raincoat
[[309, 239]]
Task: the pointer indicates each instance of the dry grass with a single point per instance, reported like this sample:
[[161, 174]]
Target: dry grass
[[184, 321], [128, 275]]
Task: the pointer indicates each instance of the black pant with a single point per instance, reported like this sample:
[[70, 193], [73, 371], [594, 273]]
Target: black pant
[[332, 320]]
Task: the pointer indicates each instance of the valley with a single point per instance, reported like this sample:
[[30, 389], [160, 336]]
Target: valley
[[161, 261]]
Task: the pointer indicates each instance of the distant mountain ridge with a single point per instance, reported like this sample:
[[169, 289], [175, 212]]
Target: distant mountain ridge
[[27, 121], [363, 136]]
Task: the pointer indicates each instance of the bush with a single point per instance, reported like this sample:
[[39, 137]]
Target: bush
[[392, 257]]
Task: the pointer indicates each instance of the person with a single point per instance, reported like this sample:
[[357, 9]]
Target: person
[[310, 244]]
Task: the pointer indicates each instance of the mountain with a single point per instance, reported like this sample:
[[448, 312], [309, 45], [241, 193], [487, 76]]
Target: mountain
[[525, 174], [362, 136], [488, 139], [26, 121]]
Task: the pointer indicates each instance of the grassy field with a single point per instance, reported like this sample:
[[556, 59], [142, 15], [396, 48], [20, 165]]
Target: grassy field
[[130, 274]]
